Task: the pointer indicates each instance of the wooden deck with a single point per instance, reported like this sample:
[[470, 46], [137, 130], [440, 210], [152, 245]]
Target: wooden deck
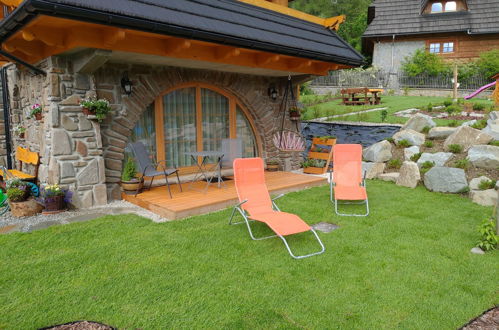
[[193, 201]]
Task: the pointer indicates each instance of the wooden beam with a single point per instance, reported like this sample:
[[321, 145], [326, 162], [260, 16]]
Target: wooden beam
[[266, 59], [299, 64], [224, 53], [29, 48], [111, 37], [177, 45], [49, 36]]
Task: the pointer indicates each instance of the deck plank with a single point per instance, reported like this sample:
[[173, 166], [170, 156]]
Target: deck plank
[[192, 202]]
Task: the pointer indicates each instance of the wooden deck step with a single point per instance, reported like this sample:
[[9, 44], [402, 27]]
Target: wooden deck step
[[193, 201]]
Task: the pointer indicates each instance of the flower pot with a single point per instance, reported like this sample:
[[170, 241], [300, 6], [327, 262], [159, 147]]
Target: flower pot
[[88, 112], [21, 135], [272, 167], [131, 187], [294, 115], [38, 116], [25, 209], [54, 203]]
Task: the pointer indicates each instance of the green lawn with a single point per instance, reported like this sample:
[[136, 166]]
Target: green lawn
[[393, 103], [405, 266]]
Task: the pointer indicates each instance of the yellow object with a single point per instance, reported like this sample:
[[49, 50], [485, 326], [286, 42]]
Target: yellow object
[[495, 94], [19, 174], [330, 23], [11, 3], [25, 157]]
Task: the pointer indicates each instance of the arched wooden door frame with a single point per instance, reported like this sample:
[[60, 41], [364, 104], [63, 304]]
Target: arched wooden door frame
[[233, 103]]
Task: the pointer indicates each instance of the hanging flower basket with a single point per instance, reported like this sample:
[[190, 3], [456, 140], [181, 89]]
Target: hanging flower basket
[[88, 112], [294, 113], [36, 111]]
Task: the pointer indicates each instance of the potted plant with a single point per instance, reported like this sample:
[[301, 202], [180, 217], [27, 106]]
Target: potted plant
[[273, 165], [20, 130], [98, 108], [294, 113], [36, 111], [327, 140], [129, 182], [20, 202], [54, 198]]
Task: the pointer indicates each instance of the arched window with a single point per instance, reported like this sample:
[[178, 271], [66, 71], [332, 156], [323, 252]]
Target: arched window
[[450, 6], [437, 7], [194, 118]]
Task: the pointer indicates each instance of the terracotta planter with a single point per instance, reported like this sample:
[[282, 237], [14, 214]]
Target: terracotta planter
[[130, 187], [38, 116], [21, 135], [88, 112], [272, 167], [294, 115], [25, 209], [55, 203]]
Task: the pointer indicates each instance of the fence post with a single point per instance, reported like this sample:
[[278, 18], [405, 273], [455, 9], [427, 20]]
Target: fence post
[[454, 92]]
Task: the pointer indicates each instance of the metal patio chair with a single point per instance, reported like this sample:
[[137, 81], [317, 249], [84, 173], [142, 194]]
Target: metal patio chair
[[255, 205], [147, 168], [232, 149], [346, 181]]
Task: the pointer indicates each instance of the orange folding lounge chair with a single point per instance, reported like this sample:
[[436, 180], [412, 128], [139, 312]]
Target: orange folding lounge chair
[[255, 204], [347, 183]]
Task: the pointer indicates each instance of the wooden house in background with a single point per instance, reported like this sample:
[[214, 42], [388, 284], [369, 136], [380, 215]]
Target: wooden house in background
[[460, 29]]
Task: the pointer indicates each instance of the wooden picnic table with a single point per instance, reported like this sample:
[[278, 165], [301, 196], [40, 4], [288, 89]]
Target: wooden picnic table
[[360, 96]]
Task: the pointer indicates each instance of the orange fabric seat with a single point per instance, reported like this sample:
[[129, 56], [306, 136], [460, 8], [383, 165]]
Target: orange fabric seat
[[350, 193], [255, 204], [282, 223]]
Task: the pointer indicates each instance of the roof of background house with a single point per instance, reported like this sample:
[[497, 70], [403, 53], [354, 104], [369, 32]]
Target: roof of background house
[[228, 22], [403, 17]]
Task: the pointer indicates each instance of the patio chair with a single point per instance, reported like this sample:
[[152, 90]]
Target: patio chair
[[232, 149], [147, 168], [255, 205], [346, 180]]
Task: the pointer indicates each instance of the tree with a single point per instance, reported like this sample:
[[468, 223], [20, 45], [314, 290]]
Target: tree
[[424, 62], [354, 10], [488, 63]]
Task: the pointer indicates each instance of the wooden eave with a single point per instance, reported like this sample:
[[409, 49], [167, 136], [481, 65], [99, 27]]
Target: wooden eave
[[45, 36]]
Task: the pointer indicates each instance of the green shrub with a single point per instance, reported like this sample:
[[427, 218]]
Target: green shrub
[[384, 113], [455, 148], [16, 195], [129, 171], [394, 163], [416, 157], [447, 103], [480, 124], [488, 63], [426, 166], [428, 144], [423, 62], [488, 238], [453, 123], [462, 163], [305, 89], [429, 107], [390, 139], [494, 143], [404, 143], [452, 109], [478, 106], [426, 129], [487, 184]]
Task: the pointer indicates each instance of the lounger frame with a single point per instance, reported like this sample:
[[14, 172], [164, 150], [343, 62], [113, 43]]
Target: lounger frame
[[336, 202]]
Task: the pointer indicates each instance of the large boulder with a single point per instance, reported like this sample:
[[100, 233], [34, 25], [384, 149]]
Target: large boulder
[[492, 127], [373, 169], [409, 175], [445, 179], [484, 156], [409, 152], [414, 138], [438, 158], [467, 137], [484, 197], [475, 183], [418, 122], [440, 132], [378, 152]]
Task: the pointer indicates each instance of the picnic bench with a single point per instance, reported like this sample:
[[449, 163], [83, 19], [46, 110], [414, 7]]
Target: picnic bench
[[24, 156], [361, 96]]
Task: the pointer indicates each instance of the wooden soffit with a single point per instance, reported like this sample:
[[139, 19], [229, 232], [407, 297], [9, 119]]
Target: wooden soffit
[[46, 36]]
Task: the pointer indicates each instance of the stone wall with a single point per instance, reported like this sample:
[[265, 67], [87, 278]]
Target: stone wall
[[87, 156]]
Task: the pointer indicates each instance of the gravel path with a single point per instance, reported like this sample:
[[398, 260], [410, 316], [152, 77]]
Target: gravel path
[[27, 224]]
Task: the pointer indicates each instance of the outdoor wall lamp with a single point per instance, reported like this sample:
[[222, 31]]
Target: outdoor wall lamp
[[126, 84], [272, 92]]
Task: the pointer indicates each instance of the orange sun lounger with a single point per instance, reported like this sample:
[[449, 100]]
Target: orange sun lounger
[[255, 204], [347, 183]]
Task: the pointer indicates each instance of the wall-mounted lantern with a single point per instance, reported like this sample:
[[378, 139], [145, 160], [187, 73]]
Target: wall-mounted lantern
[[272, 92], [126, 84]]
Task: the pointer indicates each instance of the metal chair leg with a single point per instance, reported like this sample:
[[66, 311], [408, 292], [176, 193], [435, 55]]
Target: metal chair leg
[[150, 183], [168, 185], [178, 180], [306, 255]]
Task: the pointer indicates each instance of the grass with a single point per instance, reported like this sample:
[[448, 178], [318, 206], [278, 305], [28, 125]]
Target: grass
[[393, 103], [407, 265]]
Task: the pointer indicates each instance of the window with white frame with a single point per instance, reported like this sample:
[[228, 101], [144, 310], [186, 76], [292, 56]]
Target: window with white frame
[[448, 47], [437, 7], [450, 6], [435, 48]]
